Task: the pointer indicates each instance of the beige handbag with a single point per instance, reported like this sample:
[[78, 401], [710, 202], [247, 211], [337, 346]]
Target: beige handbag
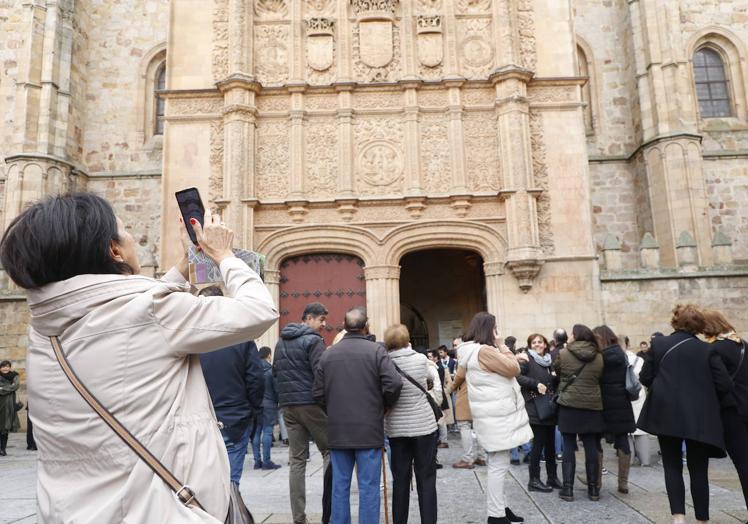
[[238, 512]]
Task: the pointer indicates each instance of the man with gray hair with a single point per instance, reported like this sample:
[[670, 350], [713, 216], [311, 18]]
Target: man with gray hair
[[357, 383]]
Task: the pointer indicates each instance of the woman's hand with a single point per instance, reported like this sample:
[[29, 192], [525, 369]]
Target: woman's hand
[[214, 238], [522, 357], [542, 389]]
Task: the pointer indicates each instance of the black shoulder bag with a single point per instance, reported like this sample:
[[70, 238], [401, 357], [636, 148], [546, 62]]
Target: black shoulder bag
[[434, 406]]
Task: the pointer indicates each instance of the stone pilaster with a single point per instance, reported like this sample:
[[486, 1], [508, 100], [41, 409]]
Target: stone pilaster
[[524, 255], [456, 138], [272, 282], [382, 297], [493, 272], [412, 142], [344, 116], [297, 116]]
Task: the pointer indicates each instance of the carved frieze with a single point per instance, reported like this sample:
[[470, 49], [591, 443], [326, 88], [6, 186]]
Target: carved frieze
[[540, 176], [526, 22], [220, 62], [215, 183], [481, 151], [475, 47], [195, 106], [374, 8], [321, 149], [436, 163], [273, 103], [473, 6], [377, 100], [429, 6], [379, 163], [326, 102], [478, 97], [376, 40], [319, 7], [271, 164], [271, 9], [271, 53], [432, 98]]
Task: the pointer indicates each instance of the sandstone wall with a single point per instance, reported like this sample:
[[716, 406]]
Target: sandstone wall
[[11, 42], [727, 191]]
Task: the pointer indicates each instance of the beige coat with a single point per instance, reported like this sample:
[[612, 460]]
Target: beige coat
[[462, 406], [133, 341]]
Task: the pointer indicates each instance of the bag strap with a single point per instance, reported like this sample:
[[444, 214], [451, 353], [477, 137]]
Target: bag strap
[[184, 493], [573, 378], [411, 379], [740, 362], [672, 348]]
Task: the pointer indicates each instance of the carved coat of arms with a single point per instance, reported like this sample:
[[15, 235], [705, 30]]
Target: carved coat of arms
[[320, 44], [430, 47], [375, 31]]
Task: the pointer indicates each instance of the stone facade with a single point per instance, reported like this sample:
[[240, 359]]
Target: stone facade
[[561, 142]]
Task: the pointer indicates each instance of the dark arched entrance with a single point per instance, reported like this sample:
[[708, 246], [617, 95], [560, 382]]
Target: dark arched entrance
[[440, 291]]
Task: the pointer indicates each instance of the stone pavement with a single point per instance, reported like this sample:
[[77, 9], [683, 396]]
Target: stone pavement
[[461, 492]]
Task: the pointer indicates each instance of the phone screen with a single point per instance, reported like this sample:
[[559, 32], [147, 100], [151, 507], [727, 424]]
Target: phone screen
[[190, 206]]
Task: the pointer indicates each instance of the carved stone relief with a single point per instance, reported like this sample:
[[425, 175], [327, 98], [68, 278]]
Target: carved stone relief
[[319, 7], [481, 151], [220, 63], [540, 175], [215, 183], [327, 102], [379, 163], [478, 97], [473, 6], [526, 22], [378, 100], [320, 50], [374, 7], [475, 47], [429, 6], [321, 143], [430, 43], [432, 98], [273, 103], [271, 163], [271, 53], [376, 41], [436, 164], [194, 106], [271, 9]]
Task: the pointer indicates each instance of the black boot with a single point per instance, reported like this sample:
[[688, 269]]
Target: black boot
[[498, 520], [512, 517], [567, 470], [3, 444], [593, 490], [536, 484], [553, 480]]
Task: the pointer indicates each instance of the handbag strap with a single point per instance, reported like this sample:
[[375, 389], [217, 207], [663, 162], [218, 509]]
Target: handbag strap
[[184, 493], [413, 381], [740, 362], [672, 348], [573, 378]]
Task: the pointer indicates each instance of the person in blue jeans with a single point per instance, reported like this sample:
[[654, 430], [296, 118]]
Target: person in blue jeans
[[263, 437], [356, 383], [515, 454]]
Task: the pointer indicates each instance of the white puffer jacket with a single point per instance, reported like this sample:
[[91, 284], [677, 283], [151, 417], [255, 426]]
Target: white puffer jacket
[[499, 417], [411, 415]]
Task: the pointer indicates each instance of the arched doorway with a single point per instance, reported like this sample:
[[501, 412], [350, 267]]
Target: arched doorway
[[440, 291], [334, 279]]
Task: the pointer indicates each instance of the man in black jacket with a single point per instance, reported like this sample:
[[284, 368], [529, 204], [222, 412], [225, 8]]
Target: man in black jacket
[[236, 385], [297, 355], [357, 383]]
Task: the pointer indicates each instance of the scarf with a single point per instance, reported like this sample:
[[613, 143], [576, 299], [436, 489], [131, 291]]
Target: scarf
[[726, 336], [9, 376], [544, 361]]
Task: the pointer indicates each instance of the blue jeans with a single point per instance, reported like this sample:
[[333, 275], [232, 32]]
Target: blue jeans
[[369, 463], [559, 442], [525, 450], [266, 434], [236, 451]]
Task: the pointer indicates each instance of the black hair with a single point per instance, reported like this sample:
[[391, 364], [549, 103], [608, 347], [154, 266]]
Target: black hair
[[560, 336], [510, 341], [265, 352], [481, 329], [582, 332], [211, 291], [5, 363], [314, 310], [355, 319], [61, 237], [442, 347]]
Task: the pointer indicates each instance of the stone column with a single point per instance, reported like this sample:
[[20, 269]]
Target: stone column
[[382, 297], [456, 138], [412, 142], [524, 255], [272, 282], [493, 272], [345, 140]]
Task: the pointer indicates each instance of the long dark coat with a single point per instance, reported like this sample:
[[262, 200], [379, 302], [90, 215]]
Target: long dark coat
[[729, 351], [617, 410], [532, 375], [8, 415], [684, 390]]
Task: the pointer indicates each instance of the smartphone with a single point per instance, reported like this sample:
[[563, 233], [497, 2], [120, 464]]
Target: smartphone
[[191, 206]]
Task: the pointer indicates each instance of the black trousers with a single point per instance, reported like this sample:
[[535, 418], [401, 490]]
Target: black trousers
[[327, 495], [543, 439], [591, 443], [620, 442], [697, 455], [736, 440], [419, 454], [30, 443]]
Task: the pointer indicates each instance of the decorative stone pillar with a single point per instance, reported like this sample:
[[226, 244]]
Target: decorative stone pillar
[[686, 252], [524, 255], [722, 247], [382, 297], [649, 252], [272, 282], [344, 116], [612, 253], [456, 138], [493, 272], [413, 141]]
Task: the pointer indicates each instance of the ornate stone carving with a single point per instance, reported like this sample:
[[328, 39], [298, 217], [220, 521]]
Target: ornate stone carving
[[376, 49], [220, 63], [540, 176], [271, 164], [320, 7], [478, 97], [473, 6], [481, 152], [273, 103], [271, 8], [432, 98], [374, 8], [320, 47], [430, 46], [271, 53], [525, 272], [321, 148], [526, 22], [379, 155], [436, 163], [476, 50], [215, 183], [429, 6], [195, 106], [377, 100], [328, 102]]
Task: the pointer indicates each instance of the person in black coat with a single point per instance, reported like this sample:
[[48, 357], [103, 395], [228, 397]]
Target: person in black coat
[[536, 381], [733, 352], [685, 380], [617, 410]]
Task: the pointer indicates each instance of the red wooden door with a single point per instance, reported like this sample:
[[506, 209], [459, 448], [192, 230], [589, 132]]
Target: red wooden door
[[335, 280]]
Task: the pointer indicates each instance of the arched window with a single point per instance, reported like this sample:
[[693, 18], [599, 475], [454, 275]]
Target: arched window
[[712, 88], [158, 85], [583, 70]]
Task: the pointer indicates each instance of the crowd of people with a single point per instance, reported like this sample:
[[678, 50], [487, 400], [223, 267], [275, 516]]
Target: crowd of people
[[180, 371]]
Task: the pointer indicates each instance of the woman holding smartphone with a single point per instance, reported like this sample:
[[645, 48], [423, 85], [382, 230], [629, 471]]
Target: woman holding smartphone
[[133, 342]]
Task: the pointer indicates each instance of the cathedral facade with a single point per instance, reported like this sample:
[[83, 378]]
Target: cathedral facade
[[551, 161]]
